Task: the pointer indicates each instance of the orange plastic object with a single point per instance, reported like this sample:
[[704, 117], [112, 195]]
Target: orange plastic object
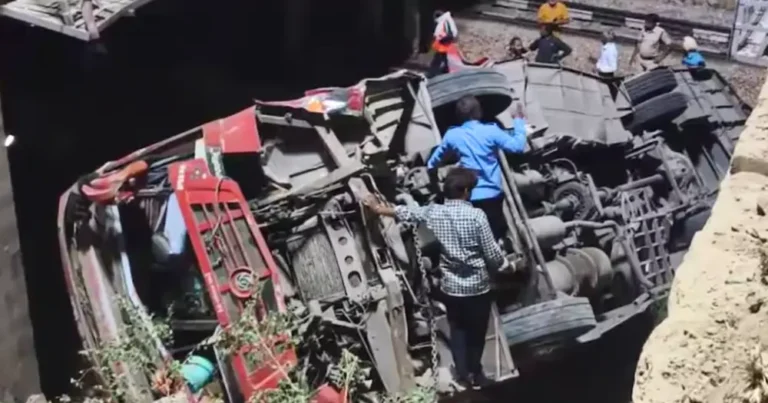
[[315, 105]]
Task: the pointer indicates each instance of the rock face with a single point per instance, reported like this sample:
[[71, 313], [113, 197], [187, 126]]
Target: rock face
[[705, 350]]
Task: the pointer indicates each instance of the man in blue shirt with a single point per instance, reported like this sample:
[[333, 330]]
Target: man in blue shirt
[[477, 145]]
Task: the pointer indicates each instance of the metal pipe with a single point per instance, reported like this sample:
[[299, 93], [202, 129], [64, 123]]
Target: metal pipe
[[549, 208], [426, 111], [513, 219], [518, 210], [634, 263], [595, 194], [671, 177], [641, 183]]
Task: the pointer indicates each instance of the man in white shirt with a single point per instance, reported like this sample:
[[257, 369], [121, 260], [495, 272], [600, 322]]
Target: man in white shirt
[[608, 61]]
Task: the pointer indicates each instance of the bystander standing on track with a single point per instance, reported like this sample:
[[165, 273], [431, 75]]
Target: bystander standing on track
[[553, 12], [548, 47], [607, 63], [692, 57], [654, 44], [446, 33]]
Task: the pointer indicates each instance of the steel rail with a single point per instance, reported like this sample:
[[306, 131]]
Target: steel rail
[[591, 21]]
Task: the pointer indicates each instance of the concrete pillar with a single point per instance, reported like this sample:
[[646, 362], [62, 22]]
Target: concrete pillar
[[412, 23], [296, 20], [426, 24], [373, 16], [19, 375]]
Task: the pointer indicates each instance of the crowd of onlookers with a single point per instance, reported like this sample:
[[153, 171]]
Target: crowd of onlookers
[[653, 46]]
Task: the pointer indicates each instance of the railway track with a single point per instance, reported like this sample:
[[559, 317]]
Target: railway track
[[587, 20]]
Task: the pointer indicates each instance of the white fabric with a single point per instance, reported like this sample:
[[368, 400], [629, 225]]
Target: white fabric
[[445, 25], [609, 59], [689, 44]]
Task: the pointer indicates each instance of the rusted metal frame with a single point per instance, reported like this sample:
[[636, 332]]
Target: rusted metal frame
[[515, 237], [334, 146], [623, 239], [387, 225], [346, 165], [283, 121], [347, 257], [122, 273], [206, 226], [502, 355], [380, 338], [334, 176], [391, 355], [401, 124], [72, 267], [518, 213], [194, 185], [101, 298], [129, 9], [69, 25], [224, 246], [44, 23], [386, 341], [395, 311], [207, 268], [616, 317]]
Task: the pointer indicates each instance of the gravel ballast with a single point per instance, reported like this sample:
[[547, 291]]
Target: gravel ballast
[[488, 38]]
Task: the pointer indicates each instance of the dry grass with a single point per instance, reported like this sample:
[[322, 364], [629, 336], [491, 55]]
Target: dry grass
[[757, 371]]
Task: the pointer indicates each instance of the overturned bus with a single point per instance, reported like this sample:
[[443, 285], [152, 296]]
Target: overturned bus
[[266, 206]]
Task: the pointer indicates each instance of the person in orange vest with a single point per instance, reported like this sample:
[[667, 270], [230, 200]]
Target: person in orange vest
[[443, 38]]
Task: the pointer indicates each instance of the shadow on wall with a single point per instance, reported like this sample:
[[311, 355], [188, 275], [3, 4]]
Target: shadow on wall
[[176, 65]]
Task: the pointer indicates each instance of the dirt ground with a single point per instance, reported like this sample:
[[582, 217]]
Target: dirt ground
[[488, 38]]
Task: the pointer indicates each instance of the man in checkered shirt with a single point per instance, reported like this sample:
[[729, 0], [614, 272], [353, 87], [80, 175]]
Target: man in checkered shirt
[[469, 254]]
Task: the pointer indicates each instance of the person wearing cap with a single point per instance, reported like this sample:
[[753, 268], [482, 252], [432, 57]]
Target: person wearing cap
[[608, 61], [555, 13], [654, 45], [692, 58], [444, 36]]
